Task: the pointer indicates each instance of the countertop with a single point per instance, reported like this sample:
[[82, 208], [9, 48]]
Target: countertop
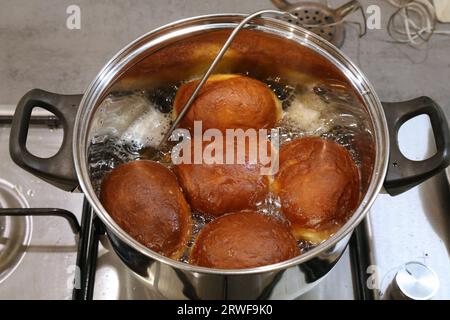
[[38, 50]]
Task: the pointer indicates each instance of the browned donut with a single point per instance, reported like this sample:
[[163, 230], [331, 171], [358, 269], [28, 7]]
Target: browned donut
[[241, 240], [145, 200], [318, 185], [216, 189], [229, 101]]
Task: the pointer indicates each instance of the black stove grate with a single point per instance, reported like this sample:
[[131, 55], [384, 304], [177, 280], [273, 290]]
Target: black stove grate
[[91, 229]]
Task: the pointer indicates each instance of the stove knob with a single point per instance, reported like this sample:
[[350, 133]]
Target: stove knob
[[415, 281]]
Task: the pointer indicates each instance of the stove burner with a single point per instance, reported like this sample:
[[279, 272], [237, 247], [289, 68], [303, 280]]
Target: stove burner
[[15, 232]]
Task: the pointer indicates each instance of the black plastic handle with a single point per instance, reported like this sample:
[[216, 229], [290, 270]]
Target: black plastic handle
[[59, 169], [403, 173]]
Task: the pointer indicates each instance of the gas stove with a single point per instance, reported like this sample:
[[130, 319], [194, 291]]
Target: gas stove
[[59, 249], [45, 254]]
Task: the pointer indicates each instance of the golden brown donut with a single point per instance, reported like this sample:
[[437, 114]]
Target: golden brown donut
[[145, 200], [229, 101], [318, 185], [241, 240], [215, 189]]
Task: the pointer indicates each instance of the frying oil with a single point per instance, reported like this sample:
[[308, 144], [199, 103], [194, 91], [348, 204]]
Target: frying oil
[[129, 125]]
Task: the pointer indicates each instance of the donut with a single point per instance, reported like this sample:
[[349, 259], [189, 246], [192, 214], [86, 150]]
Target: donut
[[145, 200], [229, 101], [215, 189], [242, 240], [318, 185]]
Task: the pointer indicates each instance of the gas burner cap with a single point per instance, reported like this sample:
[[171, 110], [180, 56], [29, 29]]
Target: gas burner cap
[[15, 232]]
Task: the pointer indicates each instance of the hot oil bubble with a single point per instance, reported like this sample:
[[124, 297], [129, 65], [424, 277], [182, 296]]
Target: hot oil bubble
[[163, 97], [284, 92], [199, 220], [125, 125]]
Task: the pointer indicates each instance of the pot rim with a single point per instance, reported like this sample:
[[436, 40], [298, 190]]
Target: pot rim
[[114, 67]]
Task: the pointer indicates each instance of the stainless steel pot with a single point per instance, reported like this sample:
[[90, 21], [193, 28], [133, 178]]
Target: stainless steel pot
[[183, 50]]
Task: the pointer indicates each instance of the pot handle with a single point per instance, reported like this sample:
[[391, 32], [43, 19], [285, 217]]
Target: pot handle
[[59, 169], [402, 173]]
